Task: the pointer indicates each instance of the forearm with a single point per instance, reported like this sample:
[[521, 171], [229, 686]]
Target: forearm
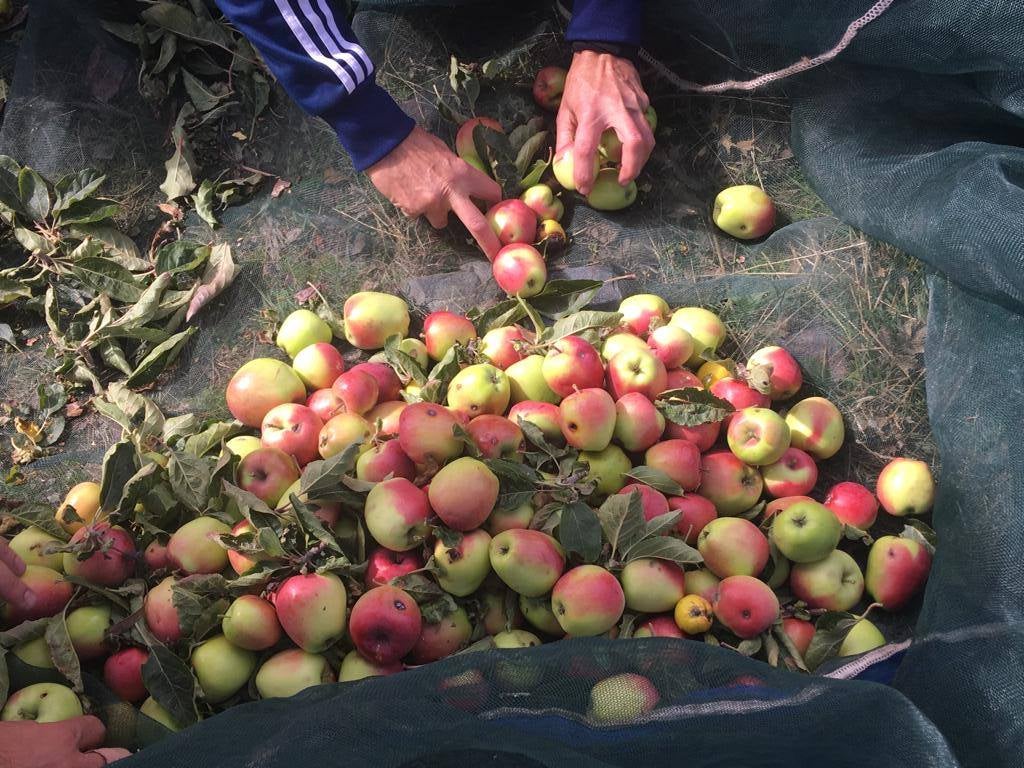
[[312, 51]]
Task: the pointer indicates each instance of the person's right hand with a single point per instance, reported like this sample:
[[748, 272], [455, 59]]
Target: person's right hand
[[422, 177], [12, 589], [73, 743]]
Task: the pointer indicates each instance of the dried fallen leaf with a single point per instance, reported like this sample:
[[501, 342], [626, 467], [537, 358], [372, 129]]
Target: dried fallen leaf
[[73, 409], [29, 429], [306, 294], [172, 209], [239, 135], [30, 342], [280, 186]]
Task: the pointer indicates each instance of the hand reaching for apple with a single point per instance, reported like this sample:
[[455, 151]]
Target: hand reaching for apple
[[603, 92], [73, 743], [422, 177], [12, 589]]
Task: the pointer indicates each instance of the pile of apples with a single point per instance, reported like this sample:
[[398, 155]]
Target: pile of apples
[[719, 460]]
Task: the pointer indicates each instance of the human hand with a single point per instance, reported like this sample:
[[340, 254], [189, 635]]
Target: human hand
[[73, 743], [422, 177], [12, 589], [603, 91]]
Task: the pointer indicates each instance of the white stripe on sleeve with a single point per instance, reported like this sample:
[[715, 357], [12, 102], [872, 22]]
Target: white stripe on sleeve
[[340, 38], [310, 47], [350, 61]]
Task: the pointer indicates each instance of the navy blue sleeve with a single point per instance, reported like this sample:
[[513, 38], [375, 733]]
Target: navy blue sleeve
[[607, 21], [312, 51]]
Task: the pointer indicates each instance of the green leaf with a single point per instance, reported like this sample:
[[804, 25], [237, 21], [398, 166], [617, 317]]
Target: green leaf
[[182, 22], [6, 334], [519, 135], [190, 479], [200, 601], [76, 187], [203, 442], [530, 147], [574, 324], [62, 651], [203, 202], [181, 256], [118, 244], [580, 531], [135, 413], [10, 196], [34, 195], [202, 96], [322, 480], [531, 313], [31, 241], [664, 548], [662, 524], [405, 366], [142, 311], [691, 407], [749, 647], [517, 482], [564, 297], [169, 681], [656, 479], [311, 525], [112, 354], [107, 276], [534, 174], [12, 290], [919, 531], [168, 47], [52, 398], [24, 632], [787, 644], [622, 520], [120, 463], [253, 509], [138, 487], [830, 631], [420, 587], [179, 180], [219, 274], [88, 211], [157, 361], [497, 316], [130, 33], [38, 515]]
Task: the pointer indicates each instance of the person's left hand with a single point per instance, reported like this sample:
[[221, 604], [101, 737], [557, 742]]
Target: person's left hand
[[603, 91], [73, 743]]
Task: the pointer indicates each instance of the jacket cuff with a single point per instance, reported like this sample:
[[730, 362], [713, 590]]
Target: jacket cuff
[[607, 21], [369, 124]]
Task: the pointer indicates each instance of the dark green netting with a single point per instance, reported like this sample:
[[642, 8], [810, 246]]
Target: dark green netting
[[913, 136]]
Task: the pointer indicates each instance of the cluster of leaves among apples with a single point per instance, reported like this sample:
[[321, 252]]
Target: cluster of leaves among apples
[[397, 511], [110, 312]]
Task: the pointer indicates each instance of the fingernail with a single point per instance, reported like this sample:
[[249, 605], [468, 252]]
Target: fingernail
[[28, 598]]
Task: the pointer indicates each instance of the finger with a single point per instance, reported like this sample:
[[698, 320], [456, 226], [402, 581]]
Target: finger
[[437, 215], [477, 225], [637, 144], [10, 557], [90, 759], [565, 128], [14, 590], [481, 186], [87, 731], [584, 150], [113, 754]]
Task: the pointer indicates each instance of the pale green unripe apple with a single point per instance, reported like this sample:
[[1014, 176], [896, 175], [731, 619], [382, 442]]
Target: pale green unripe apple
[[42, 702], [864, 637], [288, 672], [152, 709], [516, 638], [537, 611], [905, 487], [462, 569], [526, 382], [705, 328], [301, 329], [222, 668], [35, 653], [29, 544], [479, 389], [744, 211], [608, 468], [355, 666], [806, 531], [371, 318], [243, 445], [608, 195]]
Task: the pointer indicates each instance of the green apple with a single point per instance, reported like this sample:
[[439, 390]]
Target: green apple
[[29, 546], [705, 327], [42, 702], [608, 468], [622, 342], [251, 623], [87, 628], [905, 487], [806, 531], [301, 329], [501, 520], [608, 195], [537, 611], [243, 445], [758, 436], [864, 637], [288, 672], [35, 653], [461, 569], [528, 561], [516, 638], [355, 666], [622, 699], [563, 168], [151, 708], [222, 669], [479, 389], [526, 382], [195, 547], [652, 585], [834, 583], [417, 350], [744, 211]]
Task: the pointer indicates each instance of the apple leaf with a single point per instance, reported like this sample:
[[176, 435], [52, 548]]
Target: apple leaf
[[201, 443], [75, 187], [405, 366], [62, 651], [790, 649], [776, 562], [120, 464], [581, 322], [536, 172], [137, 487], [181, 256], [854, 533], [754, 511], [519, 135], [664, 548], [656, 479], [34, 194], [253, 508], [180, 178], [169, 680], [518, 482], [565, 297], [158, 360], [750, 647], [419, 586], [830, 631], [627, 624], [922, 533], [311, 525], [759, 377], [322, 480], [622, 520], [773, 653], [437, 610], [547, 518], [662, 524], [190, 480], [501, 314], [691, 407], [200, 601], [38, 515], [579, 531], [219, 274]]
